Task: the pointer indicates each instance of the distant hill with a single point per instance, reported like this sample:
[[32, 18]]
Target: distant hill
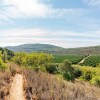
[[84, 50], [55, 49], [35, 48]]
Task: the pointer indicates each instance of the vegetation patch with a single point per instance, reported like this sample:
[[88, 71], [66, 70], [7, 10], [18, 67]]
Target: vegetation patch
[[92, 60], [44, 86], [73, 58], [90, 74]]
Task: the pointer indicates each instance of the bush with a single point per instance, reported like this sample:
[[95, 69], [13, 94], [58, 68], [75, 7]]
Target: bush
[[68, 76], [87, 75], [0, 54], [77, 72], [2, 65], [96, 81], [67, 70], [51, 87], [20, 58], [73, 58], [10, 54], [90, 74], [37, 61], [5, 79], [52, 68], [4, 57], [92, 60], [66, 65]]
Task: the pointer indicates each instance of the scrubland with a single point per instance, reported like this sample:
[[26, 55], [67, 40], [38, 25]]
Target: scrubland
[[46, 80]]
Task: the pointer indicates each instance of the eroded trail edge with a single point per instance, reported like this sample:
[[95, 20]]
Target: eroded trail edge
[[17, 90]]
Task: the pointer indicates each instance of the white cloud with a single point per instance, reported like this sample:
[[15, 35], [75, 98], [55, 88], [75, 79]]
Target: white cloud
[[24, 33], [93, 2], [27, 8], [57, 37], [34, 9], [41, 33], [16, 9]]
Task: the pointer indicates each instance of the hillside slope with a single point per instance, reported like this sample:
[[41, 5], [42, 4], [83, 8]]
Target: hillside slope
[[50, 87], [55, 49], [35, 47], [84, 50]]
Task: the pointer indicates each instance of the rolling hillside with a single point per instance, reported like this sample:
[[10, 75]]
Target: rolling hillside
[[84, 50], [55, 49], [36, 48]]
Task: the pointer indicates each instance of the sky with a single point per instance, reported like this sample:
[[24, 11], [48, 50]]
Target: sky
[[65, 23]]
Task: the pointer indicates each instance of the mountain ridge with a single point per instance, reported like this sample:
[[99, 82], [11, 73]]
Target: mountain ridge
[[34, 47], [48, 48]]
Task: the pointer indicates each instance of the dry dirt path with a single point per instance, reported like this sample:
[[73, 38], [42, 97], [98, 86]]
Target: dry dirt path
[[82, 61], [17, 91]]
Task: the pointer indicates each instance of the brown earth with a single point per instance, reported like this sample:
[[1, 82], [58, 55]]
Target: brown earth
[[17, 91]]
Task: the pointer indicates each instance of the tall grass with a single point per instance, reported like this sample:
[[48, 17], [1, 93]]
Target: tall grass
[[44, 86], [5, 79]]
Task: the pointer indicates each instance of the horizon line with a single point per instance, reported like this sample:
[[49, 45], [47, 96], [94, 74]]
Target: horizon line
[[49, 44]]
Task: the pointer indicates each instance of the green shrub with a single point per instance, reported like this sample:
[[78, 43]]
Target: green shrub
[[91, 74], [98, 65], [95, 80], [73, 58], [4, 57], [20, 58], [92, 60], [10, 54], [0, 54], [77, 72], [87, 73], [66, 65], [67, 70], [38, 61], [52, 68], [68, 76], [2, 65]]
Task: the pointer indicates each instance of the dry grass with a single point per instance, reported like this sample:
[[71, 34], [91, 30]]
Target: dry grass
[[4, 84], [6, 79], [43, 86]]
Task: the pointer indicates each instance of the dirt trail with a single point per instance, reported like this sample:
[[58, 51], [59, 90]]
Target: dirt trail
[[82, 61], [17, 91]]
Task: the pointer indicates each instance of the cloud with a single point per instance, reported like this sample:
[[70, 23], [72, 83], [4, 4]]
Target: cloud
[[14, 9], [41, 33], [27, 8], [93, 2], [14, 12], [57, 37]]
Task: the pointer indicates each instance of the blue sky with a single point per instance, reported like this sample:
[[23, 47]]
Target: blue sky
[[65, 23]]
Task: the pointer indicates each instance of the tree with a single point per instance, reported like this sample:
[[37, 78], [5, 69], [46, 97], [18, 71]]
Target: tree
[[20, 58], [52, 68], [37, 61], [10, 54], [4, 57], [0, 54], [67, 70], [2, 65]]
